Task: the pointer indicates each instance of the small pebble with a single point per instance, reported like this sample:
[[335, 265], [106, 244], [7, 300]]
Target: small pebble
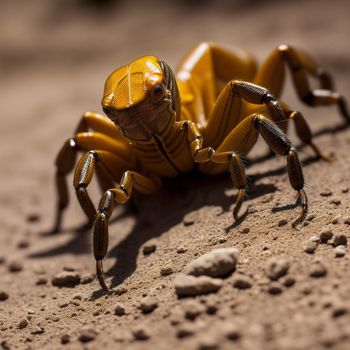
[[326, 193], [191, 285], [314, 239], [289, 282], [282, 222], [5, 345], [119, 309], [15, 266], [335, 201], [340, 240], [77, 297], [181, 250], [148, 304], [340, 251], [339, 310], [33, 217], [2, 260], [275, 288], [166, 270], [231, 331], [216, 263], [37, 330], [318, 270], [65, 338], [347, 220], [186, 330], [41, 280], [120, 290], [23, 244], [245, 230], [325, 235], [141, 332], [242, 282], [149, 247], [3, 295], [310, 247], [192, 309], [87, 334], [66, 279], [276, 268], [22, 324]]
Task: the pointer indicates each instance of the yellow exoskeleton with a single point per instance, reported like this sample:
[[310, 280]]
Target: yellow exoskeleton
[[208, 114]]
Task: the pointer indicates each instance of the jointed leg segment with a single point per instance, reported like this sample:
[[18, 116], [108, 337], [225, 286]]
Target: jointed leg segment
[[272, 72], [243, 137]]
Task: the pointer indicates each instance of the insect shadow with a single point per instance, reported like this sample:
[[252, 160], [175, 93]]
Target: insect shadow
[[178, 196]]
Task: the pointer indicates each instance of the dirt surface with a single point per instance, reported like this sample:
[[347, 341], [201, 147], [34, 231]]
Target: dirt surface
[[54, 63]]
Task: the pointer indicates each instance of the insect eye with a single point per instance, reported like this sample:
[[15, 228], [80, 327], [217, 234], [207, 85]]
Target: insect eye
[[158, 92]]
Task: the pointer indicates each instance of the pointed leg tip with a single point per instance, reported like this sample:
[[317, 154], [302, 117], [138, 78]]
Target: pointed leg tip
[[100, 276]]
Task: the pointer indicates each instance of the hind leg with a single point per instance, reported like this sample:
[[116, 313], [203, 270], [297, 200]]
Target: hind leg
[[272, 74], [227, 155]]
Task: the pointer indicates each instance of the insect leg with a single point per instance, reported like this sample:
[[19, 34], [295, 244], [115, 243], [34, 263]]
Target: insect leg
[[281, 145], [272, 72], [111, 164], [99, 123], [208, 154], [129, 180], [303, 130], [65, 162]]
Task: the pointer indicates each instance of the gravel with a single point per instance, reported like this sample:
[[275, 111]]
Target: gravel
[[166, 270], [340, 240], [22, 324], [317, 270], [191, 285], [276, 268], [340, 251], [65, 338], [242, 282], [37, 330], [217, 263], [192, 309], [119, 309], [325, 235], [15, 266], [231, 331], [66, 279], [275, 288], [3, 295], [149, 247], [141, 332], [148, 304], [310, 247], [87, 335]]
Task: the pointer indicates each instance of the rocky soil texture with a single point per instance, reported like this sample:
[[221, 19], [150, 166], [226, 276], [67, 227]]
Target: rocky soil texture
[[264, 284]]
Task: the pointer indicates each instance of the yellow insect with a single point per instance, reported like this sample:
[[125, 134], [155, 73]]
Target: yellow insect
[[160, 124]]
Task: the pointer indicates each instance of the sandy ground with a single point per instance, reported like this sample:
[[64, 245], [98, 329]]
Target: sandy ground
[[53, 65]]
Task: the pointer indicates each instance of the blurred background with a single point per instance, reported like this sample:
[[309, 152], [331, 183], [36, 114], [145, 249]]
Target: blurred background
[[56, 55]]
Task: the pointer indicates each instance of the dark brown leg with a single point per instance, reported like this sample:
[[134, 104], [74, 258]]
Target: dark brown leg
[[281, 145]]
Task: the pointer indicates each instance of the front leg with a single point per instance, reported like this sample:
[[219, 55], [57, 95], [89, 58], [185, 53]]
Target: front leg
[[208, 154], [121, 195]]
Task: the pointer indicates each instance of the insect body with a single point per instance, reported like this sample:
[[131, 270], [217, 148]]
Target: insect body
[[159, 124]]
